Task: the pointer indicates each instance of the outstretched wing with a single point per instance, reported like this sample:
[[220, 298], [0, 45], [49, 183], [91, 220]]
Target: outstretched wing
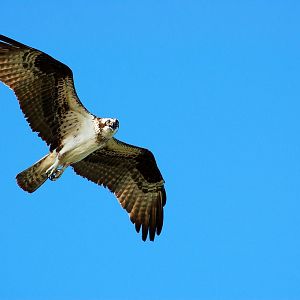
[[132, 175], [44, 88]]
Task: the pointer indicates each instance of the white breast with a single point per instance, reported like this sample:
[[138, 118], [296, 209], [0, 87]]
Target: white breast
[[80, 141]]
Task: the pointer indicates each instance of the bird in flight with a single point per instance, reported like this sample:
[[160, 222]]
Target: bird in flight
[[47, 96]]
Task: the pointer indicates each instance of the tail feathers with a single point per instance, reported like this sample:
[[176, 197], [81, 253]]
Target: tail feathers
[[33, 177]]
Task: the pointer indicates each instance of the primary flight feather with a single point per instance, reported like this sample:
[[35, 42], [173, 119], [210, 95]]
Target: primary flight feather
[[47, 97]]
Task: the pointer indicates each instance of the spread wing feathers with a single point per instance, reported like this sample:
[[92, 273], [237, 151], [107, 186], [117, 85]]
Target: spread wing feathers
[[132, 175], [44, 88]]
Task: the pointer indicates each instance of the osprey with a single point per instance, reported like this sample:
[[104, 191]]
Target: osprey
[[77, 138]]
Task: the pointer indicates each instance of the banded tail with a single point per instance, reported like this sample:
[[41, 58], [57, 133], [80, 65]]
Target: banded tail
[[33, 177]]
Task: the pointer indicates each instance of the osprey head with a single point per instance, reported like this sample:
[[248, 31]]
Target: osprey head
[[108, 126]]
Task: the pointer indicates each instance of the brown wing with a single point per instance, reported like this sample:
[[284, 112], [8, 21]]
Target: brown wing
[[43, 86], [132, 175]]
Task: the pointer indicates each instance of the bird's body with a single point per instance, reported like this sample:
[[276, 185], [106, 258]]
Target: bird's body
[[47, 97], [82, 140]]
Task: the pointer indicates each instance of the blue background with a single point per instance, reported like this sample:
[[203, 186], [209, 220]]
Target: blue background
[[212, 88]]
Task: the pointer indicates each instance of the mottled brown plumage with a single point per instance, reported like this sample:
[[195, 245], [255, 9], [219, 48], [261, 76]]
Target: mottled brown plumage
[[124, 170], [47, 97]]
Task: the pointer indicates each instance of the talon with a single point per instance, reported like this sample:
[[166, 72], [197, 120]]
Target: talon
[[52, 177], [56, 173]]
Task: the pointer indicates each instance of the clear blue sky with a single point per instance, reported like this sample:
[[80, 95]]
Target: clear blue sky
[[212, 88]]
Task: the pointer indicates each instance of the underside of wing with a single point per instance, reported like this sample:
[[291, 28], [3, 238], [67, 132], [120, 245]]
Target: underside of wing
[[43, 86], [132, 175]]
